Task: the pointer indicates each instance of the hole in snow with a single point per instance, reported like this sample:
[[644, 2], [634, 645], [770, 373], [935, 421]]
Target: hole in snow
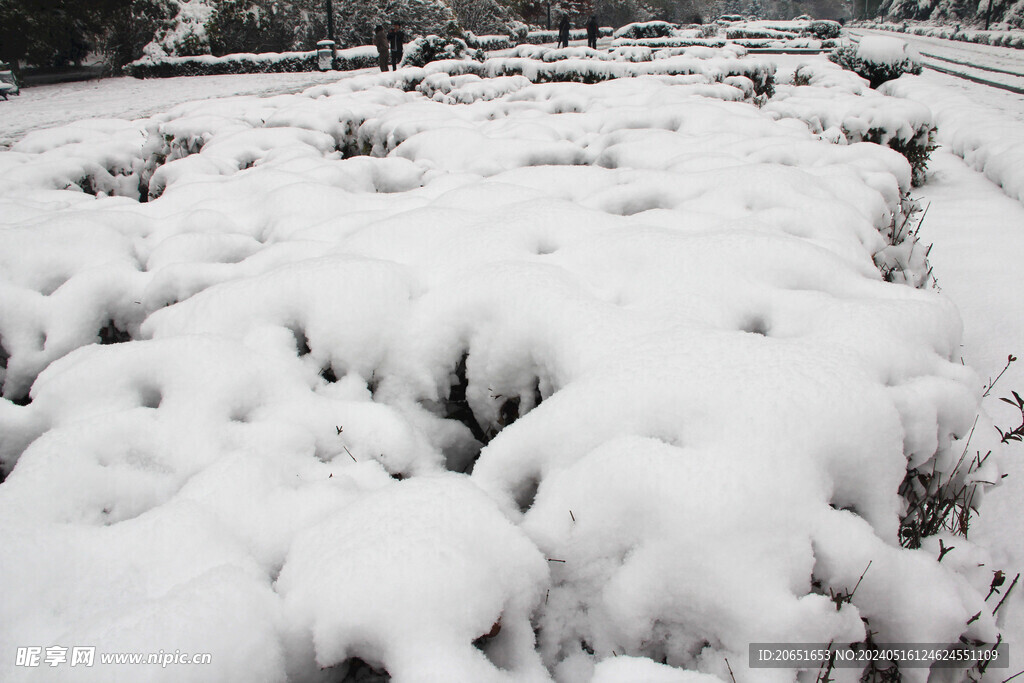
[[112, 334], [150, 396], [756, 325], [456, 407], [301, 341], [635, 205], [526, 493], [4, 356], [356, 670], [328, 374], [491, 645], [22, 400], [52, 285]]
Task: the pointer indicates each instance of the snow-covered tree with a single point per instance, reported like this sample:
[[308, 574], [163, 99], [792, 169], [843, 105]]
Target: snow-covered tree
[[481, 16], [356, 19]]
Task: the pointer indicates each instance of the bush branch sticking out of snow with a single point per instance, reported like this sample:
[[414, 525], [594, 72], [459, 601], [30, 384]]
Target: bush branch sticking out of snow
[[271, 62], [878, 59]]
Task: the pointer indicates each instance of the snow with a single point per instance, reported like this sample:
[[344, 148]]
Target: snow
[[478, 379]]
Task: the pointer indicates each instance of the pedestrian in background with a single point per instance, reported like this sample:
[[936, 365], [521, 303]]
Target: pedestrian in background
[[380, 39], [563, 32], [592, 33], [397, 41]]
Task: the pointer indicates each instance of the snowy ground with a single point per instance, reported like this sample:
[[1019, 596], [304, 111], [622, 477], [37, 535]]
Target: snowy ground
[[645, 318]]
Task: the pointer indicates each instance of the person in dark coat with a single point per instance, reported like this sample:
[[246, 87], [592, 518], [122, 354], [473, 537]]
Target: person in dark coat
[[396, 39], [563, 32], [380, 40], [592, 33]]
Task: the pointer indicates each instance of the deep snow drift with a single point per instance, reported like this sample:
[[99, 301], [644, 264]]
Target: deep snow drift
[[521, 382]]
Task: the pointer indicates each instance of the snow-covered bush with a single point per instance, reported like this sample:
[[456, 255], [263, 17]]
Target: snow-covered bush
[[645, 29], [825, 29], [517, 32], [487, 42], [428, 49], [857, 115], [878, 59]]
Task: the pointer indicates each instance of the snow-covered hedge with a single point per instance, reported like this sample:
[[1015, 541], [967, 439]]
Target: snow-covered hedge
[[905, 126], [206, 65], [596, 383], [734, 33], [760, 72], [646, 29], [794, 44], [675, 41], [488, 42], [436, 48], [542, 37], [1002, 38], [878, 59]]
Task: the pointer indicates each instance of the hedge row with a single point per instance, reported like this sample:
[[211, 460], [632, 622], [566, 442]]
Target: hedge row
[[272, 62], [541, 37], [1014, 38]]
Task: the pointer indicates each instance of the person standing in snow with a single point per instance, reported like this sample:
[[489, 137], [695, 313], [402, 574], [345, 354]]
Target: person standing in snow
[[397, 41], [592, 33], [380, 39], [563, 32]]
